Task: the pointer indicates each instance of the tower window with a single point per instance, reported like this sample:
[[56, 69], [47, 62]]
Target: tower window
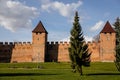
[[105, 33], [37, 33]]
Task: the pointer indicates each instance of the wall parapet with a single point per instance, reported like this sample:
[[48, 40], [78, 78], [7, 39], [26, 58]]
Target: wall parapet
[[15, 43], [91, 42], [58, 43]]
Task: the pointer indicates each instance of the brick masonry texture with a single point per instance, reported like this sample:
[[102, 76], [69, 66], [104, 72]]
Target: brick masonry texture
[[39, 50]]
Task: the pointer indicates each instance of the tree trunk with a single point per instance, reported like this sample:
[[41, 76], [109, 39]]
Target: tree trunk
[[80, 70]]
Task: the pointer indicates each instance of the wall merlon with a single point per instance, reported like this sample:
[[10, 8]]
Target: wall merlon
[[93, 42], [15, 42], [1, 43], [66, 42], [19, 43], [6, 43], [61, 43], [52, 43], [11, 43], [47, 43], [24, 42], [29, 43], [89, 42], [56, 43]]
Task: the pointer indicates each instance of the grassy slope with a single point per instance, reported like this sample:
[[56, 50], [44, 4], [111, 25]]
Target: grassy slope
[[57, 71]]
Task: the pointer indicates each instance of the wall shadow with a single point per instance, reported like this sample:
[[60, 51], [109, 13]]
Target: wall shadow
[[52, 52], [94, 74], [27, 74], [6, 52]]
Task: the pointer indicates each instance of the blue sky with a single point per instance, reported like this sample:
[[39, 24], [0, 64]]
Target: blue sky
[[19, 17]]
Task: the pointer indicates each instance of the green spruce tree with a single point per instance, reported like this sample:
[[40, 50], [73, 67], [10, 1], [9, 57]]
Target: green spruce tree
[[78, 51], [117, 29]]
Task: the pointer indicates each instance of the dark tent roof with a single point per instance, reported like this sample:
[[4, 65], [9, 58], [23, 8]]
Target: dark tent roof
[[107, 28], [40, 28]]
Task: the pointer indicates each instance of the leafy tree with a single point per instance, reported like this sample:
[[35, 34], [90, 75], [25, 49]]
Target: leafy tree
[[117, 29], [78, 51]]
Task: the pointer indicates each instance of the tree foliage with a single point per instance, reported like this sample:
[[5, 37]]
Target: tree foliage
[[78, 51], [117, 29]]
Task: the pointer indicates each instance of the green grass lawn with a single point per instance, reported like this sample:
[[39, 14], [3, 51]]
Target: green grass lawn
[[57, 71]]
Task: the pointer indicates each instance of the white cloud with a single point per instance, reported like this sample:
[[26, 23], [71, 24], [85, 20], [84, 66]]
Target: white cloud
[[63, 9], [97, 26], [15, 15], [88, 38], [66, 39]]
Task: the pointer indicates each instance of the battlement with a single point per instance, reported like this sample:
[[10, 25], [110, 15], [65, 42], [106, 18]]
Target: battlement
[[58, 43], [6, 43], [15, 43], [93, 42]]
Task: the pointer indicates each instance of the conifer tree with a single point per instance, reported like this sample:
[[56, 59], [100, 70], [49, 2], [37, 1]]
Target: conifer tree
[[78, 50], [117, 29]]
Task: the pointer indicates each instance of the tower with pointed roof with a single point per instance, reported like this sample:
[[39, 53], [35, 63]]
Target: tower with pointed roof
[[107, 43], [39, 40]]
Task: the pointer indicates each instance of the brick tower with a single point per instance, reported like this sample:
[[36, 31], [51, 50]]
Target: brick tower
[[39, 40], [107, 43]]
